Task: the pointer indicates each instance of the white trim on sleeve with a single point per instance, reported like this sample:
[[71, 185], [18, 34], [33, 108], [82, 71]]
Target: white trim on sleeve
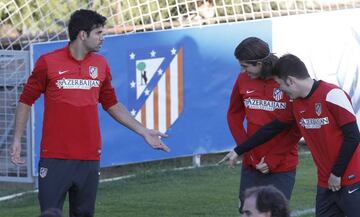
[[339, 98]]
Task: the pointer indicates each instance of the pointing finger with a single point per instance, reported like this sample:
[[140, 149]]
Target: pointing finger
[[223, 160], [163, 147]]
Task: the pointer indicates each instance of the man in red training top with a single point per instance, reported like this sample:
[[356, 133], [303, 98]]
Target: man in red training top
[[74, 80], [257, 97], [326, 119]]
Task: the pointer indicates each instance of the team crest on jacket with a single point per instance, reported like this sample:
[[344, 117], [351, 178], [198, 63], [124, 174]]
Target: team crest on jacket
[[318, 108], [43, 172], [93, 71], [278, 94]]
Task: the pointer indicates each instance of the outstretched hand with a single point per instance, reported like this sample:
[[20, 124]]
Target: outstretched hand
[[153, 138], [231, 157]]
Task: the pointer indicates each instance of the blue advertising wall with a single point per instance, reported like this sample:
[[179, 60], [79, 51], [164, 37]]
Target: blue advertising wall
[[209, 71]]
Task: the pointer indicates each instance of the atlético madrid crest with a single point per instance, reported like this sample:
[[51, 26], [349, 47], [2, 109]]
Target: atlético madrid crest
[[93, 72], [43, 172], [318, 108], [278, 94], [156, 86]]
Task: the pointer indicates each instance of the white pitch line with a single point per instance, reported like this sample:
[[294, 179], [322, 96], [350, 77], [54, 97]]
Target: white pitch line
[[298, 213], [304, 153], [116, 178], [295, 213], [12, 196]]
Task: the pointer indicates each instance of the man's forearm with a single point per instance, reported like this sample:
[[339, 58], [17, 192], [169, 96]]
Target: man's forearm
[[261, 136], [121, 115], [21, 117], [348, 147]]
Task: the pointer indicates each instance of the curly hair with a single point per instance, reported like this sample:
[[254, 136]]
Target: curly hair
[[269, 199], [253, 50]]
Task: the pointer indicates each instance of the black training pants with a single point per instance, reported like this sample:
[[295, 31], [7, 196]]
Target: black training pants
[[79, 178]]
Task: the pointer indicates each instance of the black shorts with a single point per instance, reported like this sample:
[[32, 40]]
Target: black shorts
[[345, 202], [251, 177], [80, 179]]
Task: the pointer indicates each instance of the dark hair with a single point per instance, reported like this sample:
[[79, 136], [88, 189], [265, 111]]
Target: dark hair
[[290, 65], [269, 199], [253, 50], [84, 20], [52, 212]]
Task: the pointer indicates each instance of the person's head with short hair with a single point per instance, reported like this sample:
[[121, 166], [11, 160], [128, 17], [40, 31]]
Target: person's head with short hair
[[52, 212], [292, 75], [84, 20], [290, 65], [265, 201], [255, 57], [86, 26]]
